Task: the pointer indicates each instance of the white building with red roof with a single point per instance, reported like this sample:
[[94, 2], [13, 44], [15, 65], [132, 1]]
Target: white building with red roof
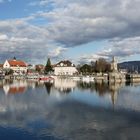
[[18, 66]]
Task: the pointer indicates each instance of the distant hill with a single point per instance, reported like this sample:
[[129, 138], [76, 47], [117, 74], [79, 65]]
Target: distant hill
[[131, 66]]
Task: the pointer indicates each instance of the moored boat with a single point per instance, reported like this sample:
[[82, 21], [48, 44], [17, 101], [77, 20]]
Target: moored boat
[[46, 78]]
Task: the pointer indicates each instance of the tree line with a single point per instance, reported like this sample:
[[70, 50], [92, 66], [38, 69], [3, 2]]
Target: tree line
[[99, 66]]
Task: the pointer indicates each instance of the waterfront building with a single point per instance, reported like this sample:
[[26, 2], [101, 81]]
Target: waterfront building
[[123, 71], [31, 68], [40, 68], [19, 67], [65, 68]]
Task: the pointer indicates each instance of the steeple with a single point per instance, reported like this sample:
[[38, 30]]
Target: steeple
[[14, 58], [114, 67], [113, 59]]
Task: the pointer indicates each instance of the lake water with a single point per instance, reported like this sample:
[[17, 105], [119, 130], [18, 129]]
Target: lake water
[[69, 110]]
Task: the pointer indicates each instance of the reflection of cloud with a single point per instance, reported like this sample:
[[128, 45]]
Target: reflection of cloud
[[78, 120], [129, 99]]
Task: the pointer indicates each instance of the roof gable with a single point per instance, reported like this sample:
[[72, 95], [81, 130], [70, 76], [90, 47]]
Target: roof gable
[[65, 63], [17, 63]]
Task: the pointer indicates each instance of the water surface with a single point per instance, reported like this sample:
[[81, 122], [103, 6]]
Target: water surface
[[69, 110]]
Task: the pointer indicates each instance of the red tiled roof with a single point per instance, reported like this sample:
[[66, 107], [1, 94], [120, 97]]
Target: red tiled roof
[[17, 63], [66, 63]]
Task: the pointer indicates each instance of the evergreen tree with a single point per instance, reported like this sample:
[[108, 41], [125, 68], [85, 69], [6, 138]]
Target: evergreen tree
[[86, 69], [48, 67]]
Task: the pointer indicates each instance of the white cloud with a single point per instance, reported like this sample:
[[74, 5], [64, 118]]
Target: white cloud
[[21, 39], [2, 1], [58, 51], [121, 48], [78, 22], [72, 23], [3, 37]]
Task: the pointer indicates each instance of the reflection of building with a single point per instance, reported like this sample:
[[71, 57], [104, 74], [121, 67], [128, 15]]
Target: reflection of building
[[18, 66], [65, 85], [15, 87], [65, 68], [114, 88], [114, 93]]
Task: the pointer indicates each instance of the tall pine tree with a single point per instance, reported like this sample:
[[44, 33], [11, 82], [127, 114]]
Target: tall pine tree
[[48, 67]]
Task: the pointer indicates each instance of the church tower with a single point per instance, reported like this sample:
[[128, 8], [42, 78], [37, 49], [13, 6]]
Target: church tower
[[114, 66]]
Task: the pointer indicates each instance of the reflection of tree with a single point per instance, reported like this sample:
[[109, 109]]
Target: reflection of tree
[[86, 86], [48, 86], [101, 88]]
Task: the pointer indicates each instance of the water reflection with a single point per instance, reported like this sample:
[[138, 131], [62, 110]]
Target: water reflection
[[68, 109], [65, 85], [62, 87], [48, 86], [13, 87]]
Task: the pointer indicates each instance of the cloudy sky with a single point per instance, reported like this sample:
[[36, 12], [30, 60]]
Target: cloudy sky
[[78, 30]]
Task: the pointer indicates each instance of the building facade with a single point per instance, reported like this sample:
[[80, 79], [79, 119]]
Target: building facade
[[19, 67], [65, 68]]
